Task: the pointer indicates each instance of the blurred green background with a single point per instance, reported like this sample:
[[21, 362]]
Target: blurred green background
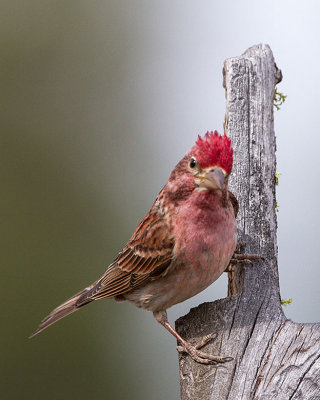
[[99, 100]]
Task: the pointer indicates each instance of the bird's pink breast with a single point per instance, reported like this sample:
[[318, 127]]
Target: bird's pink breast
[[205, 239]]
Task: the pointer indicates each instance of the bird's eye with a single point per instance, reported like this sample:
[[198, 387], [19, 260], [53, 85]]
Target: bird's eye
[[193, 163]]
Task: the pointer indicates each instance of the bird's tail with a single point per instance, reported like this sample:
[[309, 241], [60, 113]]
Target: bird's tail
[[73, 304]]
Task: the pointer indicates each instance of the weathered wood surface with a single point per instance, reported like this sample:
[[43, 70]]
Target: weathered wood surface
[[274, 358]]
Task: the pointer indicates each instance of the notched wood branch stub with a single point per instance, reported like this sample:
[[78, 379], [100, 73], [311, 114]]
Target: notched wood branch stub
[[277, 75]]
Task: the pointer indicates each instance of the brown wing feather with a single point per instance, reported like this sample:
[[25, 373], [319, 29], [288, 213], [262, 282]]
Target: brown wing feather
[[148, 254]]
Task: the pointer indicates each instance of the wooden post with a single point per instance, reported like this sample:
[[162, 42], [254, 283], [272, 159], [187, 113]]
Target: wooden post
[[274, 358]]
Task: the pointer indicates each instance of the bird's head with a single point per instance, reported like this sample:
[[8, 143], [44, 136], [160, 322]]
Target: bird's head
[[204, 168], [210, 161]]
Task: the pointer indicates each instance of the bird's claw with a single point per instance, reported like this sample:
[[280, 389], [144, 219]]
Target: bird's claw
[[200, 356], [206, 339], [239, 246], [242, 258]]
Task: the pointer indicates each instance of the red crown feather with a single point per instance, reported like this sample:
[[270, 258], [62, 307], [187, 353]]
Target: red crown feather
[[214, 149]]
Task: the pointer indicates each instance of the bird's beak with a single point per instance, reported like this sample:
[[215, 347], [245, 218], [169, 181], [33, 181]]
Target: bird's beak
[[213, 179]]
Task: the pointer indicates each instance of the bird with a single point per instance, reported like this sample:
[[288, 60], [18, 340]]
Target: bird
[[183, 244]]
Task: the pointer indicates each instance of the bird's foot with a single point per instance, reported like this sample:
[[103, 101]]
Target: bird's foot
[[242, 258], [200, 356], [239, 246]]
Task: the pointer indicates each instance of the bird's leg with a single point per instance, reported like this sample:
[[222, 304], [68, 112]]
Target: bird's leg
[[242, 258], [193, 351]]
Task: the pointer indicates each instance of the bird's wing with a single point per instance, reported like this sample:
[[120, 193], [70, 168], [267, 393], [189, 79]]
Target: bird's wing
[[147, 255]]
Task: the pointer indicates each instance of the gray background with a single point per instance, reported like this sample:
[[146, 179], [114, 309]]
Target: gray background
[[99, 101]]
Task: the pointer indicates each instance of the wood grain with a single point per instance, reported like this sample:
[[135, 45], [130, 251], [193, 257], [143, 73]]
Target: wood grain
[[274, 358]]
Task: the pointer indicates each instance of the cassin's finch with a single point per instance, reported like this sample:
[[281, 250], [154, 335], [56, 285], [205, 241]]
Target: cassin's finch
[[183, 244]]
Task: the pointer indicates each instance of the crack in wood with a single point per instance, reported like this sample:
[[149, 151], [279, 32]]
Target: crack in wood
[[302, 377]]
